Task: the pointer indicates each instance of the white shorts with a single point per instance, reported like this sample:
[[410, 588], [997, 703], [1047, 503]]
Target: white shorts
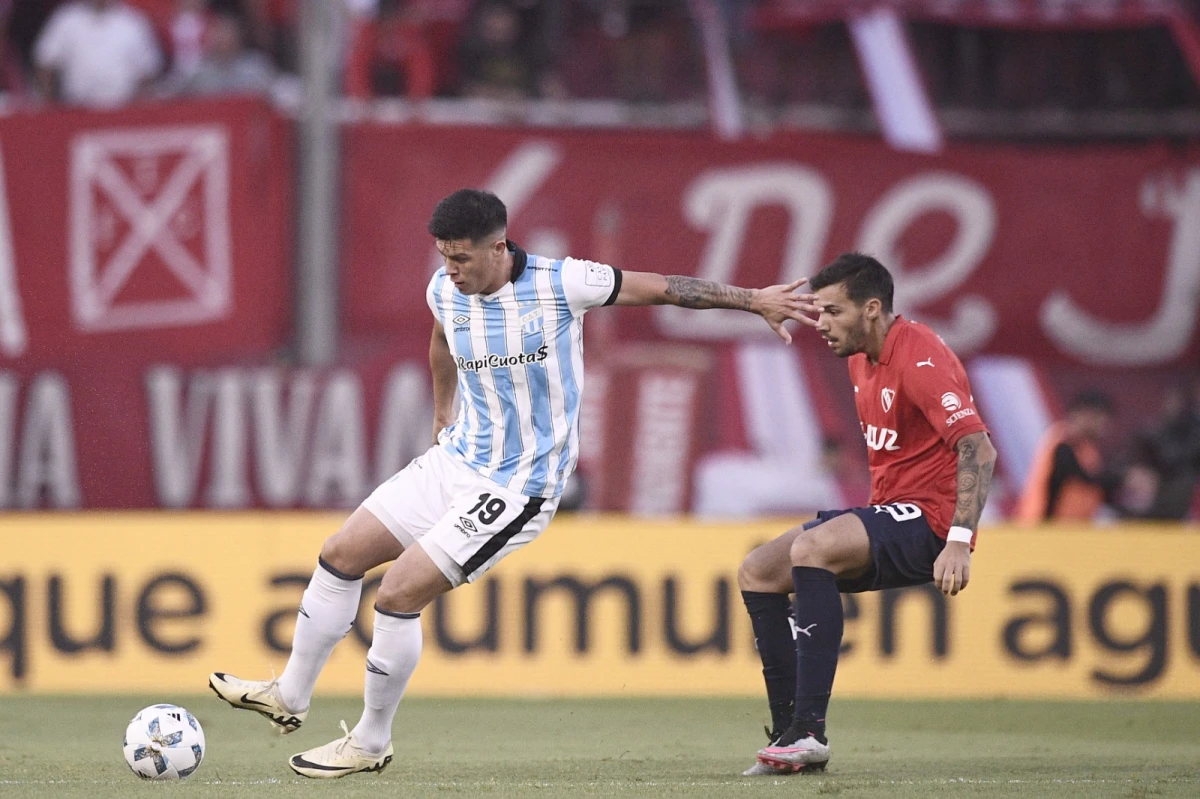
[[465, 522]]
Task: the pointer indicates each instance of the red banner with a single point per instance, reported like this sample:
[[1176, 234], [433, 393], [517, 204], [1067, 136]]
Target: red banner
[[1084, 255], [159, 231], [159, 234], [1062, 14]]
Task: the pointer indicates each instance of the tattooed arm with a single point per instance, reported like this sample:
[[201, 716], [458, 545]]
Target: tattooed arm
[[775, 304], [976, 460]]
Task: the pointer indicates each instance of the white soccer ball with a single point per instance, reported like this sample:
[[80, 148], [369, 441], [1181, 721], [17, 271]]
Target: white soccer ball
[[163, 742]]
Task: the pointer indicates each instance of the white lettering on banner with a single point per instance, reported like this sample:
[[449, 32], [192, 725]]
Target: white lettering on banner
[[405, 420], [280, 433], [338, 474], [1165, 336], [974, 319], [721, 202], [309, 449], [46, 469], [186, 225], [13, 337], [661, 443]]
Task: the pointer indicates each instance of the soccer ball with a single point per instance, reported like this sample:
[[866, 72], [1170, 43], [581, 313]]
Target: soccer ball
[[163, 742]]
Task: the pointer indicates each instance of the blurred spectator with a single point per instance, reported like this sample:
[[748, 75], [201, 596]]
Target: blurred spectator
[[499, 57], [1167, 457], [185, 36], [99, 53], [12, 81], [1067, 480], [390, 56], [229, 66]]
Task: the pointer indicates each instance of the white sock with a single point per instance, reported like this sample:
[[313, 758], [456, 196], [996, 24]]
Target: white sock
[[327, 611], [391, 660]]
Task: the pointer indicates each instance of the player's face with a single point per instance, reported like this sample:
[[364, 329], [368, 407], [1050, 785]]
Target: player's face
[[842, 323], [475, 267]]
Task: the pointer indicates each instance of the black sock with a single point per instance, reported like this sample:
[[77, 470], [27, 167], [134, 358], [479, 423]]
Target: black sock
[[777, 648], [819, 625]]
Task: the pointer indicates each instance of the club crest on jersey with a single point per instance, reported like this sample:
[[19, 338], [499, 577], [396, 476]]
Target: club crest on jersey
[[531, 322], [887, 395]]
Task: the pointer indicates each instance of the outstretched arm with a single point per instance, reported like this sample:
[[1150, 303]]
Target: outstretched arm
[[445, 380], [775, 304], [976, 460]]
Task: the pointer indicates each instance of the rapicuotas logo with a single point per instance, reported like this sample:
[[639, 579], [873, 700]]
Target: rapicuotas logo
[[494, 361]]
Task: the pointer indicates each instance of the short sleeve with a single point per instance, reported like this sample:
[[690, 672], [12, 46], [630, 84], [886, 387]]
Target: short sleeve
[[588, 284], [943, 395]]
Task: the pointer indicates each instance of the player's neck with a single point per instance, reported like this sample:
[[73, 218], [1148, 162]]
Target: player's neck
[[502, 276], [877, 337]]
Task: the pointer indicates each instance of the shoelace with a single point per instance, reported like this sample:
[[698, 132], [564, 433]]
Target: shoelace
[[342, 744]]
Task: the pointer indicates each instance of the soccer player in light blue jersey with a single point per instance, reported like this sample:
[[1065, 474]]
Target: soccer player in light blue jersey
[[508, 337]]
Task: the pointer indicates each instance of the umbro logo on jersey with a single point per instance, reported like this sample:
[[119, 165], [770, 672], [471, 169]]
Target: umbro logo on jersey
[[467, 523], [926, 362], [887, 396], [461, 319]]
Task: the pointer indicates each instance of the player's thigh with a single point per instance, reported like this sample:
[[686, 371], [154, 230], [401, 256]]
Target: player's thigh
[[839, 544], [768, 567], [362, 543], [412, 501], [485, 523]]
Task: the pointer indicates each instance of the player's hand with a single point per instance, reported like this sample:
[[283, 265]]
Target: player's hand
[[952, 569], [778, 304]]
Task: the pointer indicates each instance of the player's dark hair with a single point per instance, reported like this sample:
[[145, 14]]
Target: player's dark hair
[[864, 277], [468, 214], [1092, 399]]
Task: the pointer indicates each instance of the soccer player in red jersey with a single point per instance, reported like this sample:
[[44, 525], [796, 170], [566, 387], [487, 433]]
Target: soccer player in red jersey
[[931, 464]]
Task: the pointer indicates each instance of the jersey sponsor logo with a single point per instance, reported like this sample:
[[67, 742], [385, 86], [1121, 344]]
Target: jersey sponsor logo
[[887, 395], [494, 361], [950, 401], [598, 275], [963, 414], [926, 362], [881, 438]]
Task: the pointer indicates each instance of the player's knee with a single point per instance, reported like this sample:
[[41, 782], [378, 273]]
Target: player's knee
[[807, 550], [338, 553], [753, 574]]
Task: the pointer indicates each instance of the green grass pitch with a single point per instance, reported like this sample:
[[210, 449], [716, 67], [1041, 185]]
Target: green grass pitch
[[70, 746]]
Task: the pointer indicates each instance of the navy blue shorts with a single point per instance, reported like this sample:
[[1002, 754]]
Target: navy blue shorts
[[903, 547]]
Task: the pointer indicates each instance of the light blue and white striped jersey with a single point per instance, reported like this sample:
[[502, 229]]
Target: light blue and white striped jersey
[[520, 368]]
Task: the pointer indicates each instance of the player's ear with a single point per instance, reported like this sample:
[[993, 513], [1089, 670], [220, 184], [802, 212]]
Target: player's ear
[[873, 308]]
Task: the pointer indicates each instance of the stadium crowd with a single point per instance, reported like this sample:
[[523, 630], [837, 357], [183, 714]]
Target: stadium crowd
[[105, 52]]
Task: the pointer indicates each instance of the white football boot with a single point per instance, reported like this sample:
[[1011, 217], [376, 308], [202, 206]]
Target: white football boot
[[261, 696], [339, 758], [796, 750]]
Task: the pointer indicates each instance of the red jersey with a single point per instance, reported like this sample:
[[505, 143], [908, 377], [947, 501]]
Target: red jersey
[[914, 406]]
